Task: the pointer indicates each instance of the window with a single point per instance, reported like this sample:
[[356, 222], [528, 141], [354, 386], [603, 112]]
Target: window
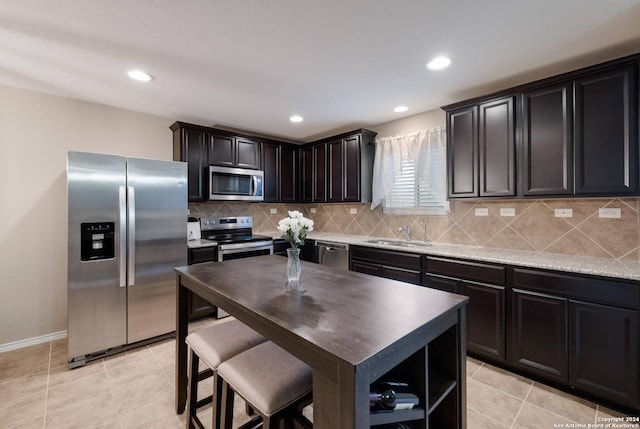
[[410, 174]]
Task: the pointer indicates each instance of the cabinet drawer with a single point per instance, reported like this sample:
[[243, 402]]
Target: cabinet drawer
[[592, 289], [410, 261], [203, 254], [488, 273]]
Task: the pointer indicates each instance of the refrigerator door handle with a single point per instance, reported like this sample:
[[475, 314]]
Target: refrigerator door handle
[[131, 226], [122, 206]]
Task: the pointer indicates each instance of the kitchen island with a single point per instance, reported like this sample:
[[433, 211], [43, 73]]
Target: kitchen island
[[350, 328]]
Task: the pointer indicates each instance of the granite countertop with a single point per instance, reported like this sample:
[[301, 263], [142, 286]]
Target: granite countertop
[[194, 244], [614, 268]]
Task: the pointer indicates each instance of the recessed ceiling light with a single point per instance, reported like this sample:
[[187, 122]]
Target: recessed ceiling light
[[401, 109], [438, 63], [296, 118], [140, 75]]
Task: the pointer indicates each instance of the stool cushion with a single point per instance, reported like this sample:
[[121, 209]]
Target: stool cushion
[[217, 343], [267, 377]]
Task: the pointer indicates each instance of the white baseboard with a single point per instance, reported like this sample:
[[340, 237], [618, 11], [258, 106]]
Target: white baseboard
[[32, 341]]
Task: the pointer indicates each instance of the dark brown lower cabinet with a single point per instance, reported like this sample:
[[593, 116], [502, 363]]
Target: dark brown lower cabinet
[[485, 319], [198, 307], [390, 264], [484, 284], [603, 350], [446, 284], [539, 334]]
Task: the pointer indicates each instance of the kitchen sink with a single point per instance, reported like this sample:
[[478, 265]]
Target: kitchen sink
[[399, 243]]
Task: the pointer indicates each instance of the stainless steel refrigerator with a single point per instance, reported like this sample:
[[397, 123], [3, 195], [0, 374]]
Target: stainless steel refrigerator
[[127, 230]]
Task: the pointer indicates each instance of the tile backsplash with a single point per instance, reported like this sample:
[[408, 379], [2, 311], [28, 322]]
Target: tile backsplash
[[531, 225]]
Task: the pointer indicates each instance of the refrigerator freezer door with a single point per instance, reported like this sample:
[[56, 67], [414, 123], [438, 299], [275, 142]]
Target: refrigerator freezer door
[[96, 304], [159, 212]]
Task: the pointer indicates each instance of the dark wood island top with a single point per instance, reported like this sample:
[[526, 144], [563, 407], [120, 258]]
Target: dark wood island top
[[351, 328]]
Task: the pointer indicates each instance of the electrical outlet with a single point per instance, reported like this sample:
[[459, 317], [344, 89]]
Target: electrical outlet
[[312, 210], [482, 212], [507, 212], [353, 211], [563, 212], [609, 213], [273, 211], [188, 212]]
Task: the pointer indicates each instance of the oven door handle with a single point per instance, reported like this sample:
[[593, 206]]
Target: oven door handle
[[229, 249]]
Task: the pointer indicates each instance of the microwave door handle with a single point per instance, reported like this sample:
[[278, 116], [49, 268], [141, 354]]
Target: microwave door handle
[[122, 205], [132, 236], [254, 180]]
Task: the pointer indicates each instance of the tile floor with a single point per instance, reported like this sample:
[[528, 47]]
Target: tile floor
[[136, 390]]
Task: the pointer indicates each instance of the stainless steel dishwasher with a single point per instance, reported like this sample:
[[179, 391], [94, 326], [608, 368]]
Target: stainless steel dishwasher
[[332, 254]]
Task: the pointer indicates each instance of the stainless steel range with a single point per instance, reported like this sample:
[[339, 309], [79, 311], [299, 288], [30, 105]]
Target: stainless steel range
[[235, 237]]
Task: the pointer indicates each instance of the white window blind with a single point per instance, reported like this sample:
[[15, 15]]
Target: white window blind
[[410, 173]]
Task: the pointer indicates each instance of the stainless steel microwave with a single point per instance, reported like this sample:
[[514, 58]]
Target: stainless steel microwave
[[235, 184]]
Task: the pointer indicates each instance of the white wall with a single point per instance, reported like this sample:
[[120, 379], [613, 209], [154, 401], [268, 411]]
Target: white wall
[[36, 131], [413, 123]]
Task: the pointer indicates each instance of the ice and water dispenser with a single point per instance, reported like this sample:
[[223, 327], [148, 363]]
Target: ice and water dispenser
[[97, 241]]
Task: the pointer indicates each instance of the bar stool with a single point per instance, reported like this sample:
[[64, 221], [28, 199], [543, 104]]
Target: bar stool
[[213, 345], [274, 383]]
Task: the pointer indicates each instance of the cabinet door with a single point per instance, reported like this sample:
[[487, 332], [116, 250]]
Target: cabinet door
[[320, 173], [485, 319], [222, 151], [539, 334], [603, 351], [247, 153], [497, 142], [334, 171], [462, 152], [271, 167], [306, 164], [288, 174], [194, 150], [351, 168], [606, 132], [547, 145]]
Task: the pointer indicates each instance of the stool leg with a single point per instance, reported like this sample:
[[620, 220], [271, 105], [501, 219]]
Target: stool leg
[[217, 400], [192, 389], [227, 397]]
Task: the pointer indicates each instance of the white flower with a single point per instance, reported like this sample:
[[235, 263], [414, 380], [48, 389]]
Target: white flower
[[295, 214], [294, 228]]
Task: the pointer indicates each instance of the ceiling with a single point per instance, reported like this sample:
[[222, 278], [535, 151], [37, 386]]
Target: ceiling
[[251, 64]]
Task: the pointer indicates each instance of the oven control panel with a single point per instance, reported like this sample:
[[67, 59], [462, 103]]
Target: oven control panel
[[232, 222]]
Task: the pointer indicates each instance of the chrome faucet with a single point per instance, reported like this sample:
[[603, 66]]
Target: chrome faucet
[[406, 230]]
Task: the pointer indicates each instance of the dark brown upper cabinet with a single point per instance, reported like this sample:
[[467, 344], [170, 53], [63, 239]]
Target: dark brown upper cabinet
[[341, 168], [497, 143], [232, 151], [279, 162], [606, 132], [462, 152], [572, 134], [190, 146], [306, 174], [547, 141], [481, 148], [319, 176], [200, 147]]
